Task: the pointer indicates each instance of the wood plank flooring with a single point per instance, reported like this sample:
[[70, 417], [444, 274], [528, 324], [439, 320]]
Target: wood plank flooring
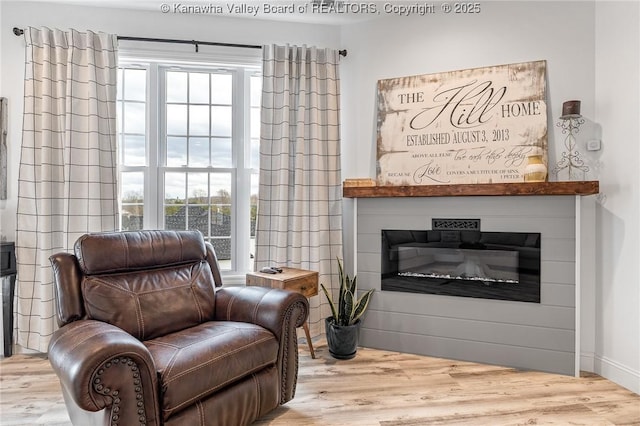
[[378, 388]]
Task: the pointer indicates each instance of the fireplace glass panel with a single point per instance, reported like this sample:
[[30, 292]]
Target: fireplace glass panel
[[492, 265]]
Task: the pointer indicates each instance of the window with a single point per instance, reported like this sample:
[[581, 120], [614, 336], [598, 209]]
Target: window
[[189, 147]]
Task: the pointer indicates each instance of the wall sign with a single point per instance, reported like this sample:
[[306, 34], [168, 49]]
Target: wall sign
[[460, 127]]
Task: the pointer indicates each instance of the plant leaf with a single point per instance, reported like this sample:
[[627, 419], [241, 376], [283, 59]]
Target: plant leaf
[[361, 306], [353, 288], [341, 312], [331, 304], [349, 306]]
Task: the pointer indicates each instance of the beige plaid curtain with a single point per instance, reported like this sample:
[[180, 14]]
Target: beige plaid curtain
[[300, 195], [67, 174]]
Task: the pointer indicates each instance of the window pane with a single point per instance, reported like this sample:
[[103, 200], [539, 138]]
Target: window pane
[[132, 187], [176, 86], [132, 197], [199, 218], [132, 216], [221, 121], [255, 154], [175, 188], [176, 119], [120, 83], [221, 204], [198, 188], [199, 88], [135, 85], [176, 151], [221, 152], [256, 90], [134, 117], [134, 150], [199, 120], [175, 217], [199, 152], [120, 116], [222, 247], [253, 205], [221, 89], [255, 123], [220, 188]]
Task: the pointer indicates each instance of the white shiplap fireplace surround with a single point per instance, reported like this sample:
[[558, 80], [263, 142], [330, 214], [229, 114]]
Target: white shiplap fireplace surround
[[555, 335]]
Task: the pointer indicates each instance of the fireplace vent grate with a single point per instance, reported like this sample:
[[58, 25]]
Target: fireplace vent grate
[[455, 224]]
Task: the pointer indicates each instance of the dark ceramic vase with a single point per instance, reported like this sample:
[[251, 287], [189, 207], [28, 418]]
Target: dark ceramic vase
[[342, 339]]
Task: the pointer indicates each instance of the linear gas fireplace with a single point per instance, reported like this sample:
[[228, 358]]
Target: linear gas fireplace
[[466, 263]]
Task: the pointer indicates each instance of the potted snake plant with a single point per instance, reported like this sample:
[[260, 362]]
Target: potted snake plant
[[343, 326]]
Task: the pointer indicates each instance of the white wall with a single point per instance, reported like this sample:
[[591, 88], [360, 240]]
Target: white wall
[[592, 54], [618, 232], [504, 32]]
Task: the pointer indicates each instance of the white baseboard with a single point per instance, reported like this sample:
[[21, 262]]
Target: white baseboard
[[618, 373], [587, 362]]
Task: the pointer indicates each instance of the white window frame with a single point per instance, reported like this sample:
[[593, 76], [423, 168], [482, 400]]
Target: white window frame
[[244, 63]]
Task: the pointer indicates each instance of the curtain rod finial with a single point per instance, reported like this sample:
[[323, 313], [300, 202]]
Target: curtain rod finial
[[343, 52], [18, 31]]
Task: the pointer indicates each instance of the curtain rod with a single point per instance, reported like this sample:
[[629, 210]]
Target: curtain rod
[[19, 31]]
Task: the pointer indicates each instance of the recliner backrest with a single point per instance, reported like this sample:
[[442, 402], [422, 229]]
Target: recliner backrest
[[149, 283]]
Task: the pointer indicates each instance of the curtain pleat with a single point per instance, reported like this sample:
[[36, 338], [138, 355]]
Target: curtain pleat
[[67, 173], [299, 221]]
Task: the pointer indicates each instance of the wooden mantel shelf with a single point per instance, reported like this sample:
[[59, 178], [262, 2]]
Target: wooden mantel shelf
[[493, 189]]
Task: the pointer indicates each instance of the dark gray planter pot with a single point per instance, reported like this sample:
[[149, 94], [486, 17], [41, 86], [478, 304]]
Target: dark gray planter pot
[[342, 339]]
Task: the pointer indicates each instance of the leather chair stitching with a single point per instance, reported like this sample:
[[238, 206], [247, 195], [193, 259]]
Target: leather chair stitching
[[162, 344], [125, 249], [179, 238], [193, 293], [229, 305], [130, 293], [139, 317], [254, 315], [69, 351], [218, 386], [226, 329], [219, 357], [180, 347], [171, 363], [258, 395], [201, 411]]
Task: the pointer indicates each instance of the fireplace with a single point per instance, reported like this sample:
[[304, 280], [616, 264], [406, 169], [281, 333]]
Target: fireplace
[[462, 262]]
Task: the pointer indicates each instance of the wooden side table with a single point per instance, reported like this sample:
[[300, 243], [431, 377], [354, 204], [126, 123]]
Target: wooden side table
[[300, 280]]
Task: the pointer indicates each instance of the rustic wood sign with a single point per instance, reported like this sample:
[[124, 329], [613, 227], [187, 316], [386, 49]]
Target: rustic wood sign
[[460, 127]]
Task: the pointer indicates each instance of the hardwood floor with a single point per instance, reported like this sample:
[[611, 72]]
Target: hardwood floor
[[378, 388]]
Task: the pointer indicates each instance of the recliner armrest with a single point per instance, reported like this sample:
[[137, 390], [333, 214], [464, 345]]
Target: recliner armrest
[[279, 311], [263, 306], [101, 367]]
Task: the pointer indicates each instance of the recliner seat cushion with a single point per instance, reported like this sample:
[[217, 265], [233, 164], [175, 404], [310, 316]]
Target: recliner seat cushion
[[198, 361], [151, 303]]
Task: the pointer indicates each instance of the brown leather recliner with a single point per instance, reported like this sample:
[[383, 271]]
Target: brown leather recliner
[[148, 337]]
